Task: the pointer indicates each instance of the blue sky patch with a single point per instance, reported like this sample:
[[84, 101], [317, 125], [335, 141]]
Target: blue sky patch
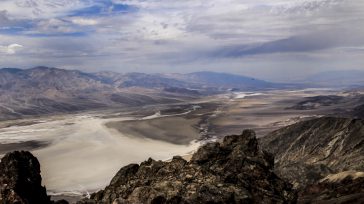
[[103, 8]]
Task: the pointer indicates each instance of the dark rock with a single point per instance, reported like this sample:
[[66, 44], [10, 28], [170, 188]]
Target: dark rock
[[358, 112], [233, 171], [61, 202], [20, 180], [308, 151], [346, 190]]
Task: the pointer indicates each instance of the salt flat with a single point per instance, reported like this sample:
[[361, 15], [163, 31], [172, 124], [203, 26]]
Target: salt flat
[[83, 154]]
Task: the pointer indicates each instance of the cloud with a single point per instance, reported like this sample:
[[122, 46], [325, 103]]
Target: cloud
[[164, 35], [32, 9], [84, 21], [10, 49], [334, 38]]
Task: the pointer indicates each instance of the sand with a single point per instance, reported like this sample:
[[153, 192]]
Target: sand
[[175, 130], [83, 154], [263, 112]]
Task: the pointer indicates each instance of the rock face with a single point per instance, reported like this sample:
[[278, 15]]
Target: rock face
[[233, 171], [347, 189], [358, 112], [20, 180], [308, 151]]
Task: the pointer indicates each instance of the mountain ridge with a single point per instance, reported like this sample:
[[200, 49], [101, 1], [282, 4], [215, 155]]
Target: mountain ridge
[[46, 90], [310, 153]]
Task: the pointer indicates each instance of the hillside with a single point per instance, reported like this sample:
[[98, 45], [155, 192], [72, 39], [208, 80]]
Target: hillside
[[309, 153], [44, 90]]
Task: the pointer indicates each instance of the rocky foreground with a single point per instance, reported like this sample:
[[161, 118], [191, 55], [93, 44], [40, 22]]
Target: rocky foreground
[[322, 158], [20, 180], [233, 171]]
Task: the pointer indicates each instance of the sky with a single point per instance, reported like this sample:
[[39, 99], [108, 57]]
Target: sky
[[279, 40]]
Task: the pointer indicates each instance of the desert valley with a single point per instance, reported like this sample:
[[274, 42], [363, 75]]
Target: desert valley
[[81, 148], [181, 102]]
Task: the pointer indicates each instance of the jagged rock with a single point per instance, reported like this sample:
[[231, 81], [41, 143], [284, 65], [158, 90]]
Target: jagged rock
[[20, 180], [346, 189], [308, 151], [233, 171]]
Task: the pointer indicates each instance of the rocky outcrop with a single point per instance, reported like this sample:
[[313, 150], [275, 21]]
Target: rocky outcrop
[[344, 187], [308, 151], [20, 180], [358, 112], [233, 171]]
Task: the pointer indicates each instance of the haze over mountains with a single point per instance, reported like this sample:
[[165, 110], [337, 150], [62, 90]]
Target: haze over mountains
[[345, 78], [42, 90]]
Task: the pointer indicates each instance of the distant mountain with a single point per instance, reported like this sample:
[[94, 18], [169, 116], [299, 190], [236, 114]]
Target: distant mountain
[[196, 80], [139, 80], [347, 78], [227, 80], [60, 79], [43, 90]]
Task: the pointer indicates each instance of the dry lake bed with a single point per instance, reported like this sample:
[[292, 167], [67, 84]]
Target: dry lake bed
[[81, 153]]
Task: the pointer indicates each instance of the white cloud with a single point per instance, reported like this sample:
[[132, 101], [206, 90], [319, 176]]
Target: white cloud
[[169, 35], [10, 49], [84, 21], [33, 9]]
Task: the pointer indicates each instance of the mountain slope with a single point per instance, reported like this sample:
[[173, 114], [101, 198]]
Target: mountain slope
[[323, 158], [43, 90], [309, 150], [224, 80]]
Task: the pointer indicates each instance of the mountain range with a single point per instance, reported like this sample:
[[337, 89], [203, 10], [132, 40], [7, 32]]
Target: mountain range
[[43, 90]]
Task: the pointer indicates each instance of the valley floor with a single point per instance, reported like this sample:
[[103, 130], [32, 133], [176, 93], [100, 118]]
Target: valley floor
[[80, 153]]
